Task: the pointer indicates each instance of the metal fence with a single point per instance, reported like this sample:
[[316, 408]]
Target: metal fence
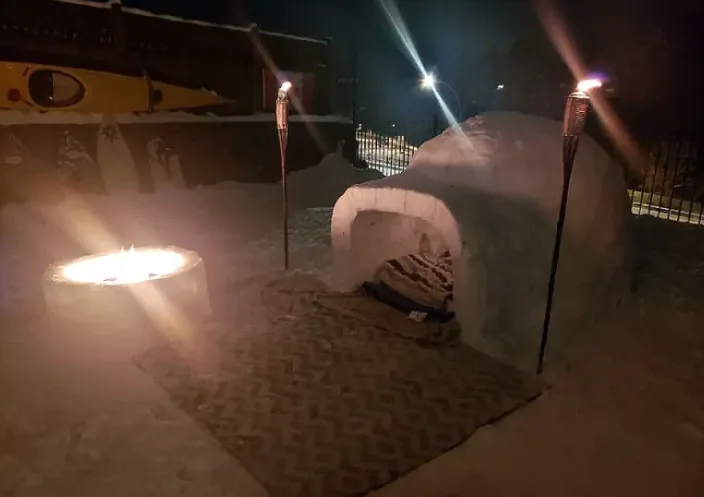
[[389, 146], [668, 183]]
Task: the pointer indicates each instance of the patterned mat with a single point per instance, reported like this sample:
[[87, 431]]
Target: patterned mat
[[319, 398]]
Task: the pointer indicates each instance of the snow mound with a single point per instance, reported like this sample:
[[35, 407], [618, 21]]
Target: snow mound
[[324, 183], [489, 191], [208, 219], [508, 153]]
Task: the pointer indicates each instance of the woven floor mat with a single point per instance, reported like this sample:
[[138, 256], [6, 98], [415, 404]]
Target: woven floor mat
[[314, 395]]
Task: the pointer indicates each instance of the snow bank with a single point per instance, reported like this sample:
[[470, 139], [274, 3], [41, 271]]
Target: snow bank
[[210, 220], [490, 192], [323, 184]]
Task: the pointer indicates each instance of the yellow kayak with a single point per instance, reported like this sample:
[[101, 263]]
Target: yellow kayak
[[40, 87]]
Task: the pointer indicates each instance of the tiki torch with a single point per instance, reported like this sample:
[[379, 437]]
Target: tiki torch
[[576, 110], [282, 126]]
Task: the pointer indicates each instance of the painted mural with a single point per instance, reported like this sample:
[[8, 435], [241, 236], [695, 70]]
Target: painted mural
[[164, 166], [76, 168], [115, 160], [46, 162], [28, 164], [14, 152]]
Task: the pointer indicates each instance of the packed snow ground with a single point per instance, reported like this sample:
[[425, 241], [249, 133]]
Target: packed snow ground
[[625, 415]]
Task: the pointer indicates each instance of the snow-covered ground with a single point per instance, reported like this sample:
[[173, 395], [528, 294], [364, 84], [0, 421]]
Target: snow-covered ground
[[625, 415], [73, 425]]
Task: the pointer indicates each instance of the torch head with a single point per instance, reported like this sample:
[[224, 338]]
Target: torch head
[[577, 107], [282, 106], [283, 91], [575, 114]]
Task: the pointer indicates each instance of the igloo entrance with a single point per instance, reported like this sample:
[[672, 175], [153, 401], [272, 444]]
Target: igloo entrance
[[488, 193], [404, 261]]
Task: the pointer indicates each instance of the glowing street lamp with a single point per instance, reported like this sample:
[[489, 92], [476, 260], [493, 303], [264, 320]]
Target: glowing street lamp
[[576, 109], [430, 82], [282, 126]]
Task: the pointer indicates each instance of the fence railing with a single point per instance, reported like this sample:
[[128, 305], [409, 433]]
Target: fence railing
[[668, 183], [389, 146]]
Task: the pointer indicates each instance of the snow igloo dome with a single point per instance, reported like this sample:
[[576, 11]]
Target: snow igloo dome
[[486, 194]]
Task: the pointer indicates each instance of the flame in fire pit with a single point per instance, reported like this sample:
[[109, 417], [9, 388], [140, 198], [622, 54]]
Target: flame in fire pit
[[124, 267]]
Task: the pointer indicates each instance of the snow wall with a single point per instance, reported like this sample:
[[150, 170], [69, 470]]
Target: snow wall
[[43, 156], [235, 227], [490, 192]]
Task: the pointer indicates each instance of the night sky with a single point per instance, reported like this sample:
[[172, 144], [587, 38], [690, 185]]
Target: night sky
[[460, 38], [449, 35]]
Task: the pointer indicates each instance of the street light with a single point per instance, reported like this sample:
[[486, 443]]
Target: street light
[[430, 82], [576, 110], [282, 126]]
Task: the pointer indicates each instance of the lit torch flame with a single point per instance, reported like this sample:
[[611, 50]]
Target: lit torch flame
[[282, 106], [586, 85]]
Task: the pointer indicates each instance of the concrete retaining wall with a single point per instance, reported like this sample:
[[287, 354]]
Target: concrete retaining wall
[[42, 162]]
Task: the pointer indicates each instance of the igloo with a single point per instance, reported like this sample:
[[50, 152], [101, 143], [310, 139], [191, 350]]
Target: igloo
[[488, 191]]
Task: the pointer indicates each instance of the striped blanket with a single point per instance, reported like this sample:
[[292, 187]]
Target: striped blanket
[[422, 278]]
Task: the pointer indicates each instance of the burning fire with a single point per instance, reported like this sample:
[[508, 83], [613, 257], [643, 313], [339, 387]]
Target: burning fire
[[588, 84], [124, 267]]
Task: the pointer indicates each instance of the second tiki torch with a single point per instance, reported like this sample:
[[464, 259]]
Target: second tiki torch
[[282, 102], [576, 109]]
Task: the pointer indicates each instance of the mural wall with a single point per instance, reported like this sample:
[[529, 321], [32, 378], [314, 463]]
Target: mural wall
[[44, 162]]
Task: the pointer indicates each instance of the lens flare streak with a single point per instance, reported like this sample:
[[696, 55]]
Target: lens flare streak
[[124, 267], [394, 17]]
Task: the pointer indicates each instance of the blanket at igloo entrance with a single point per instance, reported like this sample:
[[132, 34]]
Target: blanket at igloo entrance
[[489, 192]]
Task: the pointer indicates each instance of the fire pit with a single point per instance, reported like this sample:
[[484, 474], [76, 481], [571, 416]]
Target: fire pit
[[129, 297]]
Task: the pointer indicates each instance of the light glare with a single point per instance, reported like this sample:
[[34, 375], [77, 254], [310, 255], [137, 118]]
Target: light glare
[[588, 84], [428, 82], [286, 86], [124, 267], [395, 19]]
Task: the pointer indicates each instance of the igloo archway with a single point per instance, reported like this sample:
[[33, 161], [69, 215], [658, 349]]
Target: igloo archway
[[489, 193]]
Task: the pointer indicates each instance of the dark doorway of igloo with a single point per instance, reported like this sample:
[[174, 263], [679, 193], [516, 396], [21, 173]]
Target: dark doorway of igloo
[[418, 284]]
